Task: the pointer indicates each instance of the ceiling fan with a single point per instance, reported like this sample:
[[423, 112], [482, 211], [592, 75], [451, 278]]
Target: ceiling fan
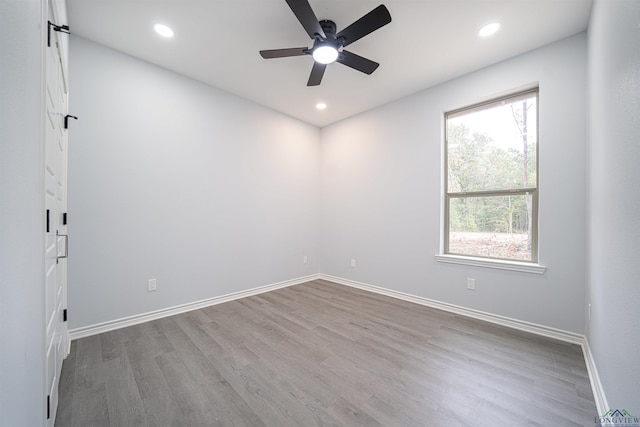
[[327, 44]]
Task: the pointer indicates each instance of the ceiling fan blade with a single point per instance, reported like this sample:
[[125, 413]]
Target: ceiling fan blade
[[378, 17], [304, 13], [316, 74], [357, 62], [281, 53]]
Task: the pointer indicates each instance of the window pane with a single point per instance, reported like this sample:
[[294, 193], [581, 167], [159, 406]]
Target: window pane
[[493, 147], [491, 226]]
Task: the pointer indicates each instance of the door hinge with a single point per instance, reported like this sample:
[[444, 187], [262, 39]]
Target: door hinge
[[66, 120], [64, 315], [48, 406], [59, 28], [48, 219], [64, 218]]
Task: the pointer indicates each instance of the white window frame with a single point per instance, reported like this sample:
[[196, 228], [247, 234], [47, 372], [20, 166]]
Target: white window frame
[[445, 256]]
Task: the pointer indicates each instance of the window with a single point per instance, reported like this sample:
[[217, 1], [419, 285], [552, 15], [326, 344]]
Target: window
[[491, 187]]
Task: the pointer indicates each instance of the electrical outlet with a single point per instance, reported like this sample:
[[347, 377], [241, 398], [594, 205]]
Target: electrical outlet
[[304, 259], [151, 285], [353, 263], [471, 284], [589, 311]]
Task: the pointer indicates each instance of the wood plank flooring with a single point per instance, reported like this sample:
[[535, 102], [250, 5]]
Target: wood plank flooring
[[320, 354]]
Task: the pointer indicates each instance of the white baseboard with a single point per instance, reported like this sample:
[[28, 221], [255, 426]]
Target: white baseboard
[[111, 325], [596, 385]]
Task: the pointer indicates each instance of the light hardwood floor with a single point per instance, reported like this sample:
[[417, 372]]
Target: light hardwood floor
[[323, 354]]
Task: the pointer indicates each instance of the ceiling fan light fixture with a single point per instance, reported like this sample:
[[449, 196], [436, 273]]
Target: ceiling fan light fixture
[[325, 54]]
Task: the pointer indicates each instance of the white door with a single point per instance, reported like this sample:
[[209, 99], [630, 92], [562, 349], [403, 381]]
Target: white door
[[55, 175]]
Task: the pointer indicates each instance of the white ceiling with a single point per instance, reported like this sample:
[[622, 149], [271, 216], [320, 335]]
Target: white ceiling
[[427, 42]]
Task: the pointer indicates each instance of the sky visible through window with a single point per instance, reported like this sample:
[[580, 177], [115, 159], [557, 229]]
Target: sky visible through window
[[499, 124]]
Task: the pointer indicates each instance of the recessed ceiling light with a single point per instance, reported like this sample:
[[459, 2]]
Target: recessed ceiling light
[[163, 30], [489, 29], [321, 106]]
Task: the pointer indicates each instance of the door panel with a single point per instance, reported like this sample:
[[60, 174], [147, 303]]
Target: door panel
[[55, 201]]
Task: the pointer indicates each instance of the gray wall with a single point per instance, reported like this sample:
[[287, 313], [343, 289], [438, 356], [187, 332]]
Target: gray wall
[[22, 389], [614, 229], [174, 180], [381, 193]]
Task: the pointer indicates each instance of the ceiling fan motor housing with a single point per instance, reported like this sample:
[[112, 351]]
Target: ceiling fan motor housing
[[329, 28]]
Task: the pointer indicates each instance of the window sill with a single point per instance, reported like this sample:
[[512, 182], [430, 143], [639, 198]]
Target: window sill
[[524, 267]]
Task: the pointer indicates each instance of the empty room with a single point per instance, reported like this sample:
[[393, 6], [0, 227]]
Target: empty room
[[313, 212]]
